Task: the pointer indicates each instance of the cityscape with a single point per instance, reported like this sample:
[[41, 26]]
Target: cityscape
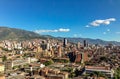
[[59, 39]]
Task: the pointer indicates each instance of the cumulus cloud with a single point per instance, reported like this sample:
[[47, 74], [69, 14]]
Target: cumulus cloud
[[105, 22], [55, 30]]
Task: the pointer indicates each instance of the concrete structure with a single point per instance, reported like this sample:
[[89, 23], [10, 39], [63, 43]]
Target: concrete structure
[[106, 70], [18, 62], [16, 77], [2, 68], [53, 76], [2, 76], [32, 59], [81, 57], [78, 45], [11, 63], [36, 77], [59, 51], [65, 42]]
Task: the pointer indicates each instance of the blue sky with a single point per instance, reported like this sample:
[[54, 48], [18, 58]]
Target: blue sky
[[67, 18]]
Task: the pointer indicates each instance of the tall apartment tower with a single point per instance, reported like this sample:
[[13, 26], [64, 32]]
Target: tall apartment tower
[[65, 42], [48, 44], [59, 51], [85, 43], [78, 45], [43, 45]]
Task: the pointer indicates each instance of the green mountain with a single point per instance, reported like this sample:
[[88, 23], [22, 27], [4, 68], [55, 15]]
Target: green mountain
[[17, 34]]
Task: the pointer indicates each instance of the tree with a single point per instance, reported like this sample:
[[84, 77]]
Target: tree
[[98, 74], [117, 73], [103, 58], [48, 62], [71, 75], [4, 58]]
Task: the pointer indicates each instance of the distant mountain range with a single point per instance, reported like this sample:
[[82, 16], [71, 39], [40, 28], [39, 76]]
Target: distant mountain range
[[18, 34], [91, 41]]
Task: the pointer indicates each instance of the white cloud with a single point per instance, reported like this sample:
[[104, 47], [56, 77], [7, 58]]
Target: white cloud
[[99, 22], [42, 31], [63, 30], [104, 33], [108, 30], [111, 19], [55, 30], [87, 26]]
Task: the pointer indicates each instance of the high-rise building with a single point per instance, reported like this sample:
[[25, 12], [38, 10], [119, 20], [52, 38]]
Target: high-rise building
[[78, 45], [84, 57], [78, 57], [48, 44], [65, 42], [59, 51], [43, 45], [85, 43]]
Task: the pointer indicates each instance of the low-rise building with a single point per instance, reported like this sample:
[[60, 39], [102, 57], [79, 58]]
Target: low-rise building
[[36, 77], [106, 70], [18, 62], [54, 76], [15, 77], [2, 76], [2, 68]]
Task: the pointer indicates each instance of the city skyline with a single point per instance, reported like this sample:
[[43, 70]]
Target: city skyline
[[97, 19]]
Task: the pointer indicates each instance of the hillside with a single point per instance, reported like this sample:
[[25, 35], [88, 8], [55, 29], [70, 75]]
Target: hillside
[[17, 34]]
